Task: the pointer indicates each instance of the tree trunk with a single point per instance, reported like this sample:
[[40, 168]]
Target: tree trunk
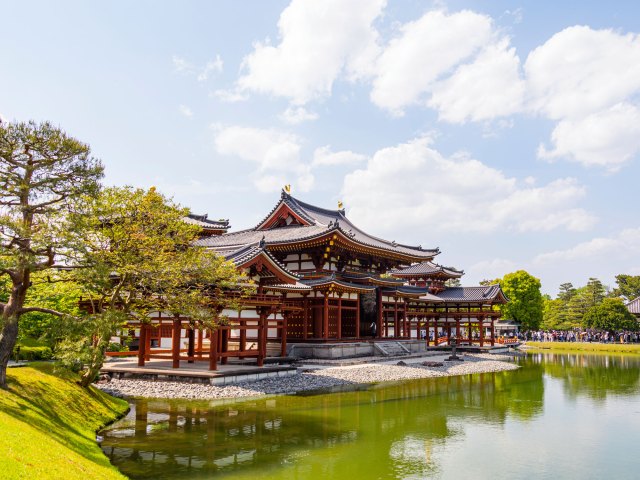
[[8, 338], [9, 319], [97, 360]]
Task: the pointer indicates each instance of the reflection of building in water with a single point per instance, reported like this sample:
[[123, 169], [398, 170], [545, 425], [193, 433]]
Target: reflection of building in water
[[391, 429], [322, 279]]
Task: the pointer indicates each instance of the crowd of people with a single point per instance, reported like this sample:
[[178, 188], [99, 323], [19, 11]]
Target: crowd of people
[[587, 335]]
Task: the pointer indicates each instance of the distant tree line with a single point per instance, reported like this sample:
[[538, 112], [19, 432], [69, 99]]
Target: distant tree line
[[592, 306]]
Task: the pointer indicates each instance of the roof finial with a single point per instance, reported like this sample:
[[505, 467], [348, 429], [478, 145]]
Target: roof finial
[[340, 205], [287, 188]]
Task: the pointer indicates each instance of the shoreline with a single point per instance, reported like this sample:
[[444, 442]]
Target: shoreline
[[582, 347], [314, 377]]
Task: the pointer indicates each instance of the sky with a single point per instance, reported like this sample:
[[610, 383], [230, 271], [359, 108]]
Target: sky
[[506, 133]]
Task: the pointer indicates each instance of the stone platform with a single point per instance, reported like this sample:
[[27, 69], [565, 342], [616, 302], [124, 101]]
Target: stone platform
[[378, 348], [198, 372]]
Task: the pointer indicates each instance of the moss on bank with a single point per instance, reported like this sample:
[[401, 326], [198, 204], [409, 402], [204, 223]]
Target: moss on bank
[[586, 347], [48, 424]]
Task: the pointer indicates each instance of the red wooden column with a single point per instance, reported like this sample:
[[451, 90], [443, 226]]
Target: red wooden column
[[325, 317], [213, 349], [147, 343], [357, 315], [458, 328], [225, 344], [396, 323], [191, 345], [261, 340], [339, 333], [305, 318], [380, 314], [283, 336], [406, 322], [481, 325], [426, 329], [243, 332], [200, 335], [493, 335], [142, 342], [175, 343]]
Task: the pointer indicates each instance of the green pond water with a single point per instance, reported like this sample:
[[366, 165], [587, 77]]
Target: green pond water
[[559, 416]]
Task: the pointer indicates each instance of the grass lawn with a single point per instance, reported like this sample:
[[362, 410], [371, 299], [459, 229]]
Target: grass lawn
[[586, 347], [48, 425]]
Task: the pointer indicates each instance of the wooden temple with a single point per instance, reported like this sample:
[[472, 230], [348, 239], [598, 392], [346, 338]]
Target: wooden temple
[[322, 279]]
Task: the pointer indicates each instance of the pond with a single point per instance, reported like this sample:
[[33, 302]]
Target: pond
[[559, 416]]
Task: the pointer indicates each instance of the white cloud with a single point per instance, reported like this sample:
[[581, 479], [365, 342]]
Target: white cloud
[[229, 96], [603, 257], [212, 67], [183, 66], [324, 156], [426, 49], [579, 71], [588, 81], [318, 42], [417, 188], [625, 244], [186, 111], [488, 87], [275, 153], [607, 139], [296, 115]]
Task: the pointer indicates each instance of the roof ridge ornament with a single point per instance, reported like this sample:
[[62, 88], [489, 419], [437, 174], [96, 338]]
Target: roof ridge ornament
[[286, 191], [263, 242]]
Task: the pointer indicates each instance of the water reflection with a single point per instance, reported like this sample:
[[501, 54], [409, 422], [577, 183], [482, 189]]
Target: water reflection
[[593, 376], [401, 430]]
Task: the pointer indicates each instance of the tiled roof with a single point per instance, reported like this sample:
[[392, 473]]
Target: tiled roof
[[407, 290], [634, 306], [245, 253], [427, 268], [331, 279], [473, 294], [205, 223], [274, 236], [298, 286], [321, 222], [376, 279]]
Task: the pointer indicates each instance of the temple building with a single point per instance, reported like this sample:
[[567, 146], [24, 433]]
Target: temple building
[[322, 280], [634, 307]]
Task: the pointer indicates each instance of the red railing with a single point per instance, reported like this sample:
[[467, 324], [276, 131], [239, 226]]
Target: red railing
[[507, 340]]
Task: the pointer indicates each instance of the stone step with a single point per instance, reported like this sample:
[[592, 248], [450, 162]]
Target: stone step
[[391, 349]]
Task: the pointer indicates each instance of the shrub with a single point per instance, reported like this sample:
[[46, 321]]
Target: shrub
[[116, 347], [33, 353]]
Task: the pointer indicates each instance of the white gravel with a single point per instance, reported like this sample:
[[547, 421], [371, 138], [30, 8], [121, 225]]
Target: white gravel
[[307, 380]]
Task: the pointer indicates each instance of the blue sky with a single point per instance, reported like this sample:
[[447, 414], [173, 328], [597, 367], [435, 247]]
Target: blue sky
[[505, 133]]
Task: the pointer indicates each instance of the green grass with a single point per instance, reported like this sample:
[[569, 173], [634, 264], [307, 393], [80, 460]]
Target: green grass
[[48, 425], [586, 347]]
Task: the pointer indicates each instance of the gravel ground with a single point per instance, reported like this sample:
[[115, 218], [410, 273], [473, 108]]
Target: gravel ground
[[308, 380]]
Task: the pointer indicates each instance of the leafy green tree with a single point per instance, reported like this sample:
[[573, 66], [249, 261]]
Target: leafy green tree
[[43, 173], [552, 314], [594, 292], [136, 256], [55, 291], [611, 314], [628, 286], [567, 292], [525, 299]]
